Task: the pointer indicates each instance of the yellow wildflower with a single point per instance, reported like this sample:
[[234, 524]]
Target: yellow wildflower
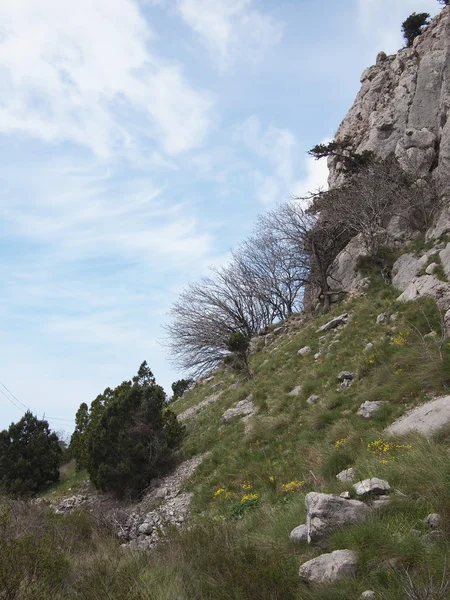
[[249, 498], [292, 486]]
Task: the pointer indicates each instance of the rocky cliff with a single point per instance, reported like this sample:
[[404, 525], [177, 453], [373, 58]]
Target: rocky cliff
[[403, 109], [403, 105]]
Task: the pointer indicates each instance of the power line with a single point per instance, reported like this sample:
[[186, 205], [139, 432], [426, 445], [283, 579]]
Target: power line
[[11, 394], [23, 406]]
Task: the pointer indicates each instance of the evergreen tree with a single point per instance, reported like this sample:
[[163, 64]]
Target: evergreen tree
[[414, 26], [131, 435], [30, 456], [78, 444]]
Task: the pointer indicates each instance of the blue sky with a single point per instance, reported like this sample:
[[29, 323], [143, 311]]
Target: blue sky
[[138, 141]]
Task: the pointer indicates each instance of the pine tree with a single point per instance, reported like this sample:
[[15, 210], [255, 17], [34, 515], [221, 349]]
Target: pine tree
[[414, 26]]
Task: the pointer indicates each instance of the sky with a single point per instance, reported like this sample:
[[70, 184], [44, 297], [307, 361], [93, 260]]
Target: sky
[[139, 139]]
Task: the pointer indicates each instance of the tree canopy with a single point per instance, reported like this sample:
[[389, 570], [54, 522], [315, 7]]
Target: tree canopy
[[414, 26], [30, 455], [128, 436]]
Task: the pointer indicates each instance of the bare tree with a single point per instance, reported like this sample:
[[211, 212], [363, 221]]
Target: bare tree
[[271, 265], [207, 313], [315, 241]]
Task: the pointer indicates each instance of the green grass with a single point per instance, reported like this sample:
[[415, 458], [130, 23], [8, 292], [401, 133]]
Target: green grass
[[71, 482], [287, 449]]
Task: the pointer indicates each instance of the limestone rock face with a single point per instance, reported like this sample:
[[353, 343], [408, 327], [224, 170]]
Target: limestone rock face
[[325, 513], [402, 109], [329, 568], [426, 419], [404, 104]]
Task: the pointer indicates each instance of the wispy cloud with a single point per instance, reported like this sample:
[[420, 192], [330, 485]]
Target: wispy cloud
[[277, 150], [84, 73], [231, 29]]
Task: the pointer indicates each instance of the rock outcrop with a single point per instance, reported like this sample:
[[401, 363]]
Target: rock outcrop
[[426, 419], [404, 104], [403, 109], [325, 513]]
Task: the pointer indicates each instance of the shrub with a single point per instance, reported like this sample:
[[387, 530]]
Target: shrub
[[30, 456], [179, 387]]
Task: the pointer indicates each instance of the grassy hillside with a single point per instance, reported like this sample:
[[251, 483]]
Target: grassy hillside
[[249, 491]]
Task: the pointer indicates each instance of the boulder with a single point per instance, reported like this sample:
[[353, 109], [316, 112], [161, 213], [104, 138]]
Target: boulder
[[367, 595], [305, 350], [367, 409], [373, 487], [336, 322], [242, 408], [329, 568], [426, 419], [299, 535], [347, 476], [325, 513]]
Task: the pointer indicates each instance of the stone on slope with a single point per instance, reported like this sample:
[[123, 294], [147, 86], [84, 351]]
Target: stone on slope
[[373, 486], [299, 534], [427, 286], [367, 595], [296, 391], [346, 375], [314, 399], [336, 322], [191, 412], [305, 350], [325, 513], [367, 409], [426, 419], [242, 408], [405, 269], [329, 568], [347, 476], [382, 318], [433, 521]]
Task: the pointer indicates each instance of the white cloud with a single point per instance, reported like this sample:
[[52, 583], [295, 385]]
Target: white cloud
[[278, 150], [82, 72], [231, 29], [85, 211], [381, 20], [316, 177]]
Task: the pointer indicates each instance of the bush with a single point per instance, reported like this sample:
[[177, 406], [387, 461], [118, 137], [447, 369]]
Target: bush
[[179, 387], [414, 26], [30, 456], [238, 345], [130, 436]]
